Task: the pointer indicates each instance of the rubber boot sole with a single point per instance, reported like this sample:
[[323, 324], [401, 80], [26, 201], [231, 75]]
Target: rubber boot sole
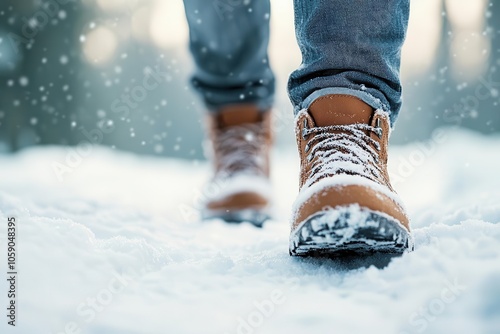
[[252, 216], [349, 231]]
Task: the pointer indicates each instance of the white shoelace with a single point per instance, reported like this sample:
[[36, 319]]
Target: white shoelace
[[240, 150], [345, 149]]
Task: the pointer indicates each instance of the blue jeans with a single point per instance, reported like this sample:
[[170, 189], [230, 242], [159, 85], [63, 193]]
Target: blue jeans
[[348, 47]]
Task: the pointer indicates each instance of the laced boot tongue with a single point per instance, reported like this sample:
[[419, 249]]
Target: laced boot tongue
[[238, 139], [341, 141], [238, 115], [340, 110]]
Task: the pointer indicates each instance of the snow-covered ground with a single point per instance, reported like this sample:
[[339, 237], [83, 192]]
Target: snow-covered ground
[[117, 248]]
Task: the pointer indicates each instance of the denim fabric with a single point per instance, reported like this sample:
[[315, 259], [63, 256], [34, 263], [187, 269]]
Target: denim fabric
[[228, 41], [348, 47]]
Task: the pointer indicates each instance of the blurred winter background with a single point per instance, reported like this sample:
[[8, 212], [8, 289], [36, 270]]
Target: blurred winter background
[[66, 68], [63, 64]]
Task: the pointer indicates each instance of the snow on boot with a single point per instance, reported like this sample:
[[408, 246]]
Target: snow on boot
[[241, 140], [346, 204]]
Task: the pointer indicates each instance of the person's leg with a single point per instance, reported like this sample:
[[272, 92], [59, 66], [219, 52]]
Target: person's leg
[[346, 96], [228, 41], [350, 47]]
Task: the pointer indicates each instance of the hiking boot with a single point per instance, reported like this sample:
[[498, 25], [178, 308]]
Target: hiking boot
[[241, 140], [346, 204]]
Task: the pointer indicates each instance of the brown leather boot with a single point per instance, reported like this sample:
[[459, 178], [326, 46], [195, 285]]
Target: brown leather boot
[[346, 203], [241, 140]]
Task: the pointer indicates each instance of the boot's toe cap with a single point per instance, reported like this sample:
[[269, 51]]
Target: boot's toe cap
[[329, 196], [238, 201]]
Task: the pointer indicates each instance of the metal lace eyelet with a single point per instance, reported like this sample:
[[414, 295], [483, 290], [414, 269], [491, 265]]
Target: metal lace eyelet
[[379, 129], [309, 158], [304, 130], [307, 148]]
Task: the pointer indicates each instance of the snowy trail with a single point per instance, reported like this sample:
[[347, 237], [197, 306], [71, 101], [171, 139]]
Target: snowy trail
[[117, 248]]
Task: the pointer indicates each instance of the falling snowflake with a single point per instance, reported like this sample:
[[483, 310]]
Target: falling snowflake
[[158, 148], [23, 81], [64, 59]]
